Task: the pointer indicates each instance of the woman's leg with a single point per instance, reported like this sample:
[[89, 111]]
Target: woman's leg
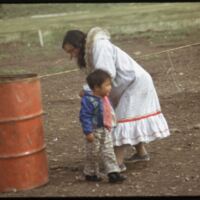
[[140, 149], [140, 155]]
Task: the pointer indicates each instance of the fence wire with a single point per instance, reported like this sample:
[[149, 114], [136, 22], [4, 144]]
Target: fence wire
[[173, 70]]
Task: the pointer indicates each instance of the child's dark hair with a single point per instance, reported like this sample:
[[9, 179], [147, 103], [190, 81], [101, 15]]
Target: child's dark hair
[[97, 78]]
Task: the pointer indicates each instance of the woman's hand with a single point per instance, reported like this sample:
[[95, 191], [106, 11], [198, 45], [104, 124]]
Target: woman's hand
[[90, 137]]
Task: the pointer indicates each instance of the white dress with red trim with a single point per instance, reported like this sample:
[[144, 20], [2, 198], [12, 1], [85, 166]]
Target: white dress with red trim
[[133, 94], [139, 114]]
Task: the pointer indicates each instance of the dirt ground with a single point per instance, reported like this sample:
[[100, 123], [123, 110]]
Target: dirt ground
[[174, 168]]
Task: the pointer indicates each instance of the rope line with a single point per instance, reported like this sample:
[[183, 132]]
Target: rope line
[[165, 51], [53, 74], [147, 55]]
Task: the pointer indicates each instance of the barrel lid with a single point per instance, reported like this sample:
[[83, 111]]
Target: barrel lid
[[5, 78]]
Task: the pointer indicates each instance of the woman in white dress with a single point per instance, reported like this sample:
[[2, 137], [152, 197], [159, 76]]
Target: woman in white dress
[[133, 94]]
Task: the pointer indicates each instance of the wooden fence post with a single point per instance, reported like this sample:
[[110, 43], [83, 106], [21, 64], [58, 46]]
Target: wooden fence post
[[40, 38]]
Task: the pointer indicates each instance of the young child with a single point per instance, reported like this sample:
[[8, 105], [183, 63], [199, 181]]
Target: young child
[[97, 119]]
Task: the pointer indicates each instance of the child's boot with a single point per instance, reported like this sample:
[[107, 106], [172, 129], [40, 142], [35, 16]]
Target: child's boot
[[115, 177], [93, 178]]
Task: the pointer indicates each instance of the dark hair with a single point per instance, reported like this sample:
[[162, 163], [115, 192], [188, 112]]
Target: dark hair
[[77, 39], [97, 78]]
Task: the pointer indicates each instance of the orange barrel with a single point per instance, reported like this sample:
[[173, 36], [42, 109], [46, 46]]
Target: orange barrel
[[23, 161]]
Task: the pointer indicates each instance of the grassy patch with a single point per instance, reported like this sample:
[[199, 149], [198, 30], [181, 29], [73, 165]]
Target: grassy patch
[[12, 71], [157, 21]]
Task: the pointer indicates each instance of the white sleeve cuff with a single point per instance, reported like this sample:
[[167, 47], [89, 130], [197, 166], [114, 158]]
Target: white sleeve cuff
[[86, 88]]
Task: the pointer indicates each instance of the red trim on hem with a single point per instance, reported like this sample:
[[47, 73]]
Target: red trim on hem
[[138, 118]]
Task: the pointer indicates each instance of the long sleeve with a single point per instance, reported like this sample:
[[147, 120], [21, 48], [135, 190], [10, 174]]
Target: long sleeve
[[117, 63], [103, 57], [86, 113], [86, 88]]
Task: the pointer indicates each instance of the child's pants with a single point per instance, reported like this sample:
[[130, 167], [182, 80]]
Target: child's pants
[[102, 145]]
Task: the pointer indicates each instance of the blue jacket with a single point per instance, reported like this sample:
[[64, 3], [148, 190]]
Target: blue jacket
[[91, 113]]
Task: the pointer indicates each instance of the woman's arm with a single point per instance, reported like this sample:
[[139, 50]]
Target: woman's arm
[[103, 57], [85, 89]]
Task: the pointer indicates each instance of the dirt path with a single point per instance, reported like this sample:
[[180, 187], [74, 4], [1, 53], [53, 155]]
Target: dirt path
[[174, 168]]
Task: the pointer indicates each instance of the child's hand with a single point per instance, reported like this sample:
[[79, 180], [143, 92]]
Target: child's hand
[[90, 137], [81, 93]]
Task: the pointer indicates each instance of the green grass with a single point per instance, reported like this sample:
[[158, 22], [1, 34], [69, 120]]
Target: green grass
[[12, 71], [24, 10], [160, 22], [126, 18]]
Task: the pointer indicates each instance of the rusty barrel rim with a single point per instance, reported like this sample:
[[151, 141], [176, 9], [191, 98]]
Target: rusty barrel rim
[[8, 78]]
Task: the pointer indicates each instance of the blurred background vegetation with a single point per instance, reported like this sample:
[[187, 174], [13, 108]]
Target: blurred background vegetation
[[20, 25], [168, 21]]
